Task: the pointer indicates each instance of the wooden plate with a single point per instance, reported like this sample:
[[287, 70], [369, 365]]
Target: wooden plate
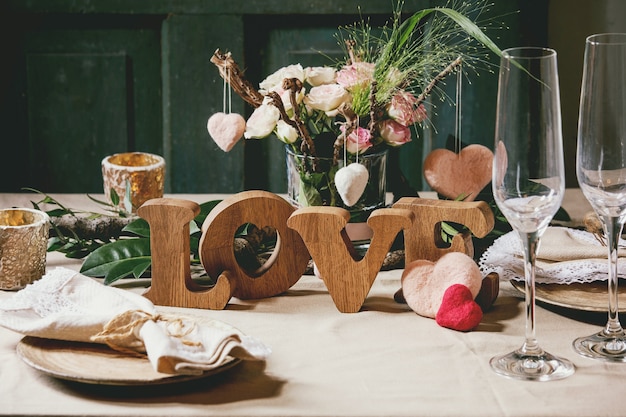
[[97, 364], [585, 297]]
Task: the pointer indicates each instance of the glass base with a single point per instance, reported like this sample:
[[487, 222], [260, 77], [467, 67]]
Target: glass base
[[602, 346], [542, 367]]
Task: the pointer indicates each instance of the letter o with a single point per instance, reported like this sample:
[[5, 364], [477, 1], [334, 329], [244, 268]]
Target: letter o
[[262, 208]]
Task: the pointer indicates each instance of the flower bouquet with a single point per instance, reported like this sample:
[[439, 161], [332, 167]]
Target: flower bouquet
[[333, 119]]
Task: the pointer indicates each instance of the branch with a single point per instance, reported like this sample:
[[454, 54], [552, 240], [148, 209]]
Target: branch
[[229, 71], [88, 227]]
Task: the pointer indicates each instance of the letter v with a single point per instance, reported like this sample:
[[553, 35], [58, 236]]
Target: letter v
[[323, 231]]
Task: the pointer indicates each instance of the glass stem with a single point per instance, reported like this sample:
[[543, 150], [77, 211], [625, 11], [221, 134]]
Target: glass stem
[[613, 231], [531, 245]]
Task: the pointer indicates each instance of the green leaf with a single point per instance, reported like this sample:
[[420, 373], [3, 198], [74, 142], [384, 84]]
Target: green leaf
[[57, 212], [134, 267], [309, 195], [470, 28], [115, 199], [128, 205], [193, 228], [448, 229], [139, 227], [205, 209], [55, 244], [117, 259]]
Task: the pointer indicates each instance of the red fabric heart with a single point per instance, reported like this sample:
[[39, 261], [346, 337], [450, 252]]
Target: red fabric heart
[[458, 309], [465, 173]]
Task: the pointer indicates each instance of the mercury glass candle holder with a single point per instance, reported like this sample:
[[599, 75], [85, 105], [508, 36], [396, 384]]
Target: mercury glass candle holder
[[142, 173], [23, 245]]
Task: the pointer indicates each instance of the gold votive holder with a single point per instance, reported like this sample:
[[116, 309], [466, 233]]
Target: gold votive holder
[[23, 246], [143, 173]]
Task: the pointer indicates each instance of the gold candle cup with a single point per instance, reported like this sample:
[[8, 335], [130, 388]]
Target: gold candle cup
[[23, 245], [144, 172]]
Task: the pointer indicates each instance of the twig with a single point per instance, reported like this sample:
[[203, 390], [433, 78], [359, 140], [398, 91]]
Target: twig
[[438, 78], [294, 86], [349, 126]]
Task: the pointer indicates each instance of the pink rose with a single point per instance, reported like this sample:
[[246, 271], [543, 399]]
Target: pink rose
[[403, 110], [358, 73], [393, 133], [358, 141]]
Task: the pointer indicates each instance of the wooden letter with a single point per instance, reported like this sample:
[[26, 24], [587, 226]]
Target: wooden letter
[[421, 241], [261, 208], [169, 246], [348, 280]]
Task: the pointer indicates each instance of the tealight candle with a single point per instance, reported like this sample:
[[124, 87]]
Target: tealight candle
[[143, 173], [23, 244]]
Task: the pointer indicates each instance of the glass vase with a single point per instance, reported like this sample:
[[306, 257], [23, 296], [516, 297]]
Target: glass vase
[[310, 182]]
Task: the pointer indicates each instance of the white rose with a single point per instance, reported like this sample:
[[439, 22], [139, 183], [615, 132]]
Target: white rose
[[286, 132], [262, 122], [327, 97], [285, 97], [320, 75], [274, 82]]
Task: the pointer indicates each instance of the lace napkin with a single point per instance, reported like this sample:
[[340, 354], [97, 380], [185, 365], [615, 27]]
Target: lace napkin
[[66, 305], [565, 256]]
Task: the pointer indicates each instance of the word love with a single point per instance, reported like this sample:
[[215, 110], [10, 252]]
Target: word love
[[311, 232]]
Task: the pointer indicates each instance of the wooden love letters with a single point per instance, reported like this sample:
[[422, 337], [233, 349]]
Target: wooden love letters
[[311, 232]]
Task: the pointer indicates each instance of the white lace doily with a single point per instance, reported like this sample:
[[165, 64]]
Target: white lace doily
[[506, 259]]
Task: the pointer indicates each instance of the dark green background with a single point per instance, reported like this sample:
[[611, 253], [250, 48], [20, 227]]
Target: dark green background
[[83, 79]]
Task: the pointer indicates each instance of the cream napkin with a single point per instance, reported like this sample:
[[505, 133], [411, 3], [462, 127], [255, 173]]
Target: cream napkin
[[66, 305], [565, 256]]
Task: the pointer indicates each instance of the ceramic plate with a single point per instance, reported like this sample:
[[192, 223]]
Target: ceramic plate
[[97, 364], [585, 297]]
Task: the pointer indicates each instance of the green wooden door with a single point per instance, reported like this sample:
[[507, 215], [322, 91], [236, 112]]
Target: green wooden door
[[81, 80]]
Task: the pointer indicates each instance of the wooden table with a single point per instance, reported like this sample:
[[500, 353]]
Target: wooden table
[[383, 360]]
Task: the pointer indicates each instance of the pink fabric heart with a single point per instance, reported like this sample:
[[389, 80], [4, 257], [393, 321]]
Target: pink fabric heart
[[351, 181], [226, 129], [458, 309], [424, 283], [463, 174]]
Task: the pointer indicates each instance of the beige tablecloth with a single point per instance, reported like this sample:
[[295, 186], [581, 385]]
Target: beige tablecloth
[[383, 361]]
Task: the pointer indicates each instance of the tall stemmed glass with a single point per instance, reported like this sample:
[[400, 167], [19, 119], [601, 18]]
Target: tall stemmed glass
[[601, 169], [528, 184]]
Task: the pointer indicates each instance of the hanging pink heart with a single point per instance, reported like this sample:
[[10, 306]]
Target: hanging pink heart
[[226, 129], [463, 174], [351, 181]]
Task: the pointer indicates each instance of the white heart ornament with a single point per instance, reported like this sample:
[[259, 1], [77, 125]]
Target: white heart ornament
[[351, 181], [226, 129]]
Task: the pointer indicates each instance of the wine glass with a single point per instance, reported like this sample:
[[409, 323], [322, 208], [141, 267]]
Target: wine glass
[[528, 184], [601, 169]]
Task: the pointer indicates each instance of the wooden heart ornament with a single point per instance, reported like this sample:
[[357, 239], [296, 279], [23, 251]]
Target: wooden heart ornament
[[463, 174], [424, 283], [226, 129], [351, 181]]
